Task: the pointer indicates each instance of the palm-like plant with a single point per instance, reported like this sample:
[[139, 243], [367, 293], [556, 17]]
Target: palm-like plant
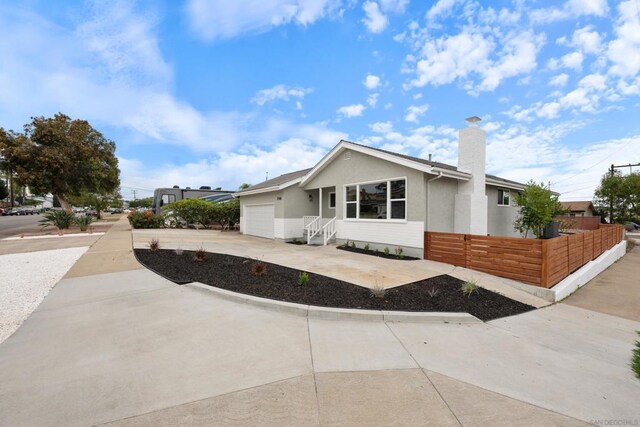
[[58, 218], [83, 221]]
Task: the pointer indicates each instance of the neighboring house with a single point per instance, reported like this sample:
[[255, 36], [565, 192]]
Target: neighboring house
[[386, 199], [578, 208]]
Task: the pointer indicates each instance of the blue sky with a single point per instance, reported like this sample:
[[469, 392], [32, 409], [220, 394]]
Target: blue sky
[[219, 93]]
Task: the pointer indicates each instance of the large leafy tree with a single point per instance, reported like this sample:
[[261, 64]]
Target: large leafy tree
[[65, 157], [538, 207], [619, 196]]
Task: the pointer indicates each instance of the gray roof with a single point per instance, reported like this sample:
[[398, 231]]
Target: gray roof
[[279, 180]]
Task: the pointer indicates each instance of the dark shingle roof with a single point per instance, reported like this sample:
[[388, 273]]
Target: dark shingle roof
[[279, 180]]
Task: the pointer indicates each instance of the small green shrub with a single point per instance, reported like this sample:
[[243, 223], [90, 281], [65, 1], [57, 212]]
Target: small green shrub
[[366, 247], [345, 244], [353, 245], [59, 218], [83, 221], [146, 219], [635, 359], [200, 254], [399, 252], [469, 287], [386, 251], [303, 280], [378, 291], [154, 245]]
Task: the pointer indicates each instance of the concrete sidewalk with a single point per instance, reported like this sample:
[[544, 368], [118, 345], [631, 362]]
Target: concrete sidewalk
[[615, 291], [130, 348]]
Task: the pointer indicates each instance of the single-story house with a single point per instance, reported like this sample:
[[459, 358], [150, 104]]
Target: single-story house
[[368, 195], [584, 208]]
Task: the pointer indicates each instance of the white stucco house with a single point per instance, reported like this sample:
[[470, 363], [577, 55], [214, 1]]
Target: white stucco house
[[368, 195]]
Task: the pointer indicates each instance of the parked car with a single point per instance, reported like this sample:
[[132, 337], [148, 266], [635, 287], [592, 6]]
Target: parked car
[[631, 226], [116, 211]]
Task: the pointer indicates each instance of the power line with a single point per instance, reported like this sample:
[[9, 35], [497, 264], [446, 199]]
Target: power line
[[595, 164]]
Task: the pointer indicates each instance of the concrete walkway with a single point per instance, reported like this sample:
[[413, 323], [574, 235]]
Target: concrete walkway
[[616, 291], [129, 348]]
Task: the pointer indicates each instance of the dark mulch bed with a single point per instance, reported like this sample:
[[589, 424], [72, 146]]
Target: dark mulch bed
[[376, 253], [281, 283]]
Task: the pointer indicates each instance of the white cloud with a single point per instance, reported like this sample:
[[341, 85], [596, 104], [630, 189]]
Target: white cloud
[[624, 50], [587, 39], [279, 92], [559, 80], [473, 54], [442, 7], [349, 111], [371, 81], [571, 60], [570, 9], [396, 6], [372, 100], [381, 127], [415, 111], [222, 19], [374, 20]]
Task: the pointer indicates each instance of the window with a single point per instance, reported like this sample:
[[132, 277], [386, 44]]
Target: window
[[503, 198], [377, 200], [332, 200], [168, 198]]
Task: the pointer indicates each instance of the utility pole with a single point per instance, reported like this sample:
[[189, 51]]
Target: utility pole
[[134, 194]]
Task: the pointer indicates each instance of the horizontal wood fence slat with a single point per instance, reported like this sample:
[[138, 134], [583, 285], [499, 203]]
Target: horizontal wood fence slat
[[539, 262], [579, 222]]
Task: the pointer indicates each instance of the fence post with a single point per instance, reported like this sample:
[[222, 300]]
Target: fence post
[[467, 250], [544, 275]]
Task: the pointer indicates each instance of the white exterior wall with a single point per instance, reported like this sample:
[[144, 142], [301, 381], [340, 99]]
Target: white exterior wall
[[408, 234], [470, 213], [288, 228]]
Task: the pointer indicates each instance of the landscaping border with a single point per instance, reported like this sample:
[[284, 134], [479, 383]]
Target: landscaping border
[[330, 313]]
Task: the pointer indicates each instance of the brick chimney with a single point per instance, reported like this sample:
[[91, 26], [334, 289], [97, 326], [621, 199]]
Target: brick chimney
[[470, 215]]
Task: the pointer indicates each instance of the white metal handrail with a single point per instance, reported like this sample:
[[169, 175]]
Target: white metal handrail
[[329, 230], [313, 228]]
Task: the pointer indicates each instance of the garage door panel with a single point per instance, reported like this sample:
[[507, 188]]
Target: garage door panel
[[259, 220]]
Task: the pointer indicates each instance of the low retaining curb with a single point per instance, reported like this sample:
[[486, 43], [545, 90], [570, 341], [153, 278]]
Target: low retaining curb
[[331, 313]]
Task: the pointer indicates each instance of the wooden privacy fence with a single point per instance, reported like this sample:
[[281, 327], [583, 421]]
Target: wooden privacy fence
[[580, 222], [538, 262]]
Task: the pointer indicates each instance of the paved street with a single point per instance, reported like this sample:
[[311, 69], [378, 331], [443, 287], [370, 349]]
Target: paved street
[[114, 343], [14, 225]]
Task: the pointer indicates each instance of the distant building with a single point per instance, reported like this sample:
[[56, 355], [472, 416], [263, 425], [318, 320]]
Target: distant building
[[579, 208]]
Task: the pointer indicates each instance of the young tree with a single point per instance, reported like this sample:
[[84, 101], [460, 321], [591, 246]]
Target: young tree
[[610, 196], [244, 186], [538, 207], [66, 158]]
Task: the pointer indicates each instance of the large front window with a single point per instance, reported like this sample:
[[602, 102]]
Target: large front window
[[376, 200]]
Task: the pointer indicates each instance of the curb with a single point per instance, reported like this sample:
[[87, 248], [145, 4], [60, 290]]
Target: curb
[[315, 312]]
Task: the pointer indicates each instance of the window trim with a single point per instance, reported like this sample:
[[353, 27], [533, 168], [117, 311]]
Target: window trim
[[501, 202], [389, 200], [334, 200]]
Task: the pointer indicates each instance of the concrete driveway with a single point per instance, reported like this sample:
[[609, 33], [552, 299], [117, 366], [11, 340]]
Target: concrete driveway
[[126, 347]]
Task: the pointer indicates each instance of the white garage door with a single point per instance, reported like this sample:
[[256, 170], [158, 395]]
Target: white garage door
[[259, 220]]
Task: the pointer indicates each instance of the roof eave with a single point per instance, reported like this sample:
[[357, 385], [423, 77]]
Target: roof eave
[[268, 189]]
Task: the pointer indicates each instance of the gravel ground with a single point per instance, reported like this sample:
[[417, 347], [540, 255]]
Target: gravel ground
[[27, 279]]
